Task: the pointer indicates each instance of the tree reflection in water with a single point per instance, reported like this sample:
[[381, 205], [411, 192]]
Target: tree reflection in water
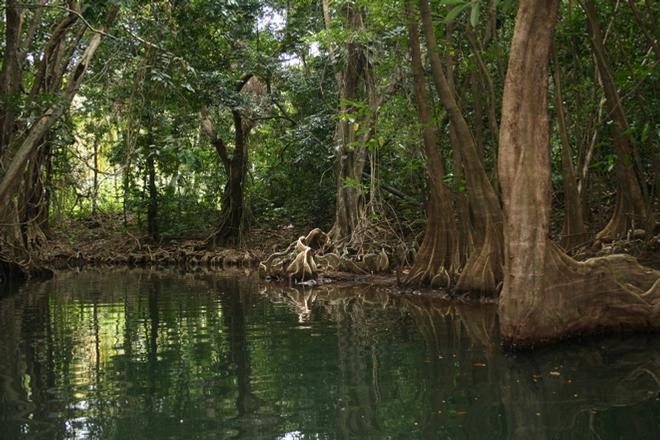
[[152, 355]]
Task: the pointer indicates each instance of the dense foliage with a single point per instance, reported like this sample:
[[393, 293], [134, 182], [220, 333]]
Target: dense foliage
[[131, 143]]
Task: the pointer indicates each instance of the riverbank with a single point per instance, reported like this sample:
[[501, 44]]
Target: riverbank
[[106, 242]]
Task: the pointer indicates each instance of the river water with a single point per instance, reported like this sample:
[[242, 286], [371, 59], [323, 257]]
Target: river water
[[160, 355]]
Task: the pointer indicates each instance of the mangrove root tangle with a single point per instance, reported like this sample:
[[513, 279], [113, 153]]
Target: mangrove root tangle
[[304, 259]]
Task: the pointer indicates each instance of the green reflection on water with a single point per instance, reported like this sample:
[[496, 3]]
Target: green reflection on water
[[135, 354]]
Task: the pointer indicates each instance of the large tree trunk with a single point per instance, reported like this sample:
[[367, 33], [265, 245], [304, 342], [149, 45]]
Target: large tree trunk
[[633, 210], [546, 294], [483, 270], [436, 261], [95, 179]]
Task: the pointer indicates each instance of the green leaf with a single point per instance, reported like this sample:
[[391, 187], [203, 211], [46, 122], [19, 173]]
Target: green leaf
[[452, 2], [474, 14], [454, 13], [646, 132]]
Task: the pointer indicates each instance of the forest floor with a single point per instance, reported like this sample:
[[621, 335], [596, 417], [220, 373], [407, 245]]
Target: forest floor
[[105, 241]]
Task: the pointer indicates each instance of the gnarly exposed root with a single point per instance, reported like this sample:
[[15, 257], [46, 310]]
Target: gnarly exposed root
[[297, 260], [436, 264], [310, 255], [483, 270], [427, 276], [604, 293], [20, 259]]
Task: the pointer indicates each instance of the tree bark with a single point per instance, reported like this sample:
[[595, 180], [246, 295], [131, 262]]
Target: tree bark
[[436, 262], [231, 214], [231, 217], [483, 270], [354, 84], [10, 77], [546, 294]]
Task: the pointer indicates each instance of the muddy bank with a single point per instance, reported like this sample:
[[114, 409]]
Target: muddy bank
[[189, 254]]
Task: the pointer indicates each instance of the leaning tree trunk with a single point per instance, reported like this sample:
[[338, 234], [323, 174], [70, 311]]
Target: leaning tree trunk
[[20, 184], [436, 262], [483, 270], [632, 210], [546, 294]]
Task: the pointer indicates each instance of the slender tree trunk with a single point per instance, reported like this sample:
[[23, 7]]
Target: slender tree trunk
[[95, 183], [574, 232], [465, 240], [10, 76], [126, 186], [483, 270], [235, 165], [44, 219], [351, 153], [152, 207], [231, 215], [634, 211], [546, 294], [436, 261], [649, 31], [486, 78]]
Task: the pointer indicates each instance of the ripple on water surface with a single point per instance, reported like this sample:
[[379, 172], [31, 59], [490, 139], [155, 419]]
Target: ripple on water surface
[[137, 354]]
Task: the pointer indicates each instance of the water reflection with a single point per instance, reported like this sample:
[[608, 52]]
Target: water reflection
[[157, 355]]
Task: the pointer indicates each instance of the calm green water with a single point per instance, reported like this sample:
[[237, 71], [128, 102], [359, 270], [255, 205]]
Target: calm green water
[[133, 354]]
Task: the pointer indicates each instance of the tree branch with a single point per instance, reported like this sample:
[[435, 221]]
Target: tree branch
[[216, 141]]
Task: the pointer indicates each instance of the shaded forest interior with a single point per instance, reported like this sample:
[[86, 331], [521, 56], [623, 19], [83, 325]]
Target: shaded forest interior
[[509, 149]]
